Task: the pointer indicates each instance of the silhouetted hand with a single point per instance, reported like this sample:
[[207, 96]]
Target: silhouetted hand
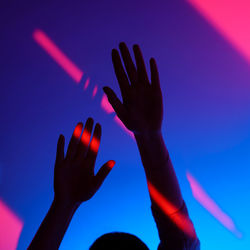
[[74, 179], [142, 108]]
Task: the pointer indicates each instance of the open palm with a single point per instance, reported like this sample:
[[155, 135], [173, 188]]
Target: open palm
[[142, 108]]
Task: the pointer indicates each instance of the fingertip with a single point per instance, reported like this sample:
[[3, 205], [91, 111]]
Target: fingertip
[[111, 164], [61, 138], [98, 125], [89, 121], [136, 47], [108, 91], [114, 52], [153, 66], [79, 127], [79, 124], [78, 130], [152, 60], [105, 89], [98, 128], [122, 45]]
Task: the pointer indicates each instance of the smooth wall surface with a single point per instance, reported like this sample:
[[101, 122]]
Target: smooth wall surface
[[205, 80]]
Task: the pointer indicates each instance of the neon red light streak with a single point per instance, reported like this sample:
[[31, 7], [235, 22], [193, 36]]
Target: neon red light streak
[[50, 47], [77, 132], [85, 137], [94, 144], [230, 18], [10, 228], [202, 197], [110, 164], [170, 210]]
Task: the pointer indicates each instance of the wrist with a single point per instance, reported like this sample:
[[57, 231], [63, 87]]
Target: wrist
[[148, 134], [67, 206]]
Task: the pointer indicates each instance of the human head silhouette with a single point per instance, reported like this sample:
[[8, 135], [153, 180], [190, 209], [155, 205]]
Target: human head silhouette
[[118, 240]]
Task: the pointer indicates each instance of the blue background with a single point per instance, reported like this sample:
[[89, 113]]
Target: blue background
[[205, 83]]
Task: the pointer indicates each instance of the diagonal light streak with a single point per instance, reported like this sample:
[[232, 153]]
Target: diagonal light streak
[[206, 201], [179, 219], [231, 18], [10, 228], [53, 50]]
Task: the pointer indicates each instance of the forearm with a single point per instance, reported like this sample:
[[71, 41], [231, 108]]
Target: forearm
[[53, 227], [158, 167]]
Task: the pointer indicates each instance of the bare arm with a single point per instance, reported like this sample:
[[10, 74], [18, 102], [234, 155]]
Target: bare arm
[[141, 111], [74, 183]]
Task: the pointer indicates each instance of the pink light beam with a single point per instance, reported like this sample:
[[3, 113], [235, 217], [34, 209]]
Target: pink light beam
[[10, 228], [119, 122], [230, 18], [203, 198], [51, 48], [86, 83], [94, 91], [106, 106]]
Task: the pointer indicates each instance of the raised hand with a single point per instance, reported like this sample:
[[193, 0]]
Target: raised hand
[[74, 182], [141, 109], [74, 178]]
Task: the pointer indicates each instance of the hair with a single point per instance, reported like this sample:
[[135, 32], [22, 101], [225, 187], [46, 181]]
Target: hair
[[118, 240]]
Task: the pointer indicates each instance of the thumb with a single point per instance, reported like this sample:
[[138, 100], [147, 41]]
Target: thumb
[[103, 172], [115, 103]]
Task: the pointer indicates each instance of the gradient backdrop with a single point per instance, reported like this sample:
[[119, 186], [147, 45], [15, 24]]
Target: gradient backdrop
[[203, 52]]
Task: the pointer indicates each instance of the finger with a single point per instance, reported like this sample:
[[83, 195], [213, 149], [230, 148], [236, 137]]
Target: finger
[[74, 141], [60, 150], [103, 172], [141, 68], [129, 65], [94, 145], [155, 80], [120, 73], [85, 138], [115, 103]]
